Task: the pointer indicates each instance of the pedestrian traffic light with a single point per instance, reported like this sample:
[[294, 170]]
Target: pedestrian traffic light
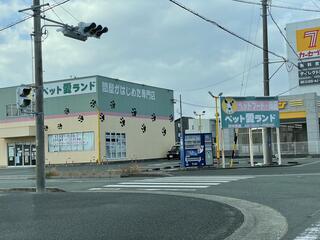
[[91, 29], [24, 97]]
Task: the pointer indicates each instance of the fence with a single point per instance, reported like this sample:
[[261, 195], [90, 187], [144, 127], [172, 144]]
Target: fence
[[287, 148]]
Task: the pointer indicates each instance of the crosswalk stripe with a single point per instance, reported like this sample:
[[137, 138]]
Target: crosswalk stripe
[[178, 183], [160, 186]]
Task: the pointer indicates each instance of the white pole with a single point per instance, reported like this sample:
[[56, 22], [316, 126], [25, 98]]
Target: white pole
[[222, 149], [264, 149], [251, 147], [278, 145]]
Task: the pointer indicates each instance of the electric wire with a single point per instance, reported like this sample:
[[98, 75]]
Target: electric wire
[[68, 12], [279, 6], [246, 62], [26, 18], [195, 105], [275, 72], [224, 29]]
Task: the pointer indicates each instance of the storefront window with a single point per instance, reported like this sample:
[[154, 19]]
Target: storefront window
[[115, 145], [67, 142]]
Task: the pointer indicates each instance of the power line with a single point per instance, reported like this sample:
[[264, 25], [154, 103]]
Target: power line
[[225, 29], [276, 70], [279, 6], [15, 23], [26, 18], [195, 105], [68, 12], [287, 90]]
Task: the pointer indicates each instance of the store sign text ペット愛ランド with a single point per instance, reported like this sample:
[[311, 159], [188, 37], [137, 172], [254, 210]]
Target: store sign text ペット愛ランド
[[72, 87], [242, 112]]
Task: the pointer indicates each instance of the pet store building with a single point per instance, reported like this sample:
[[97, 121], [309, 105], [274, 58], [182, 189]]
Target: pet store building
[[89, 119]]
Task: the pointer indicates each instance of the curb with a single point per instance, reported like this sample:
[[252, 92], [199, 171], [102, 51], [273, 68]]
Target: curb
[[260, 221], [32, 189]]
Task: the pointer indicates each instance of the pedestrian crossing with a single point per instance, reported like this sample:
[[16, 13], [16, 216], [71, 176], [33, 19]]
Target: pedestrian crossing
[[181, 183]]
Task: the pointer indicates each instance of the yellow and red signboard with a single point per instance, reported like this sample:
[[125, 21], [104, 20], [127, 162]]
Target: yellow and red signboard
[[308, 39]]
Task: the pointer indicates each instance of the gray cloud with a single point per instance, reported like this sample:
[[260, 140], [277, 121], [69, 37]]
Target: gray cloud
[[156, 43]]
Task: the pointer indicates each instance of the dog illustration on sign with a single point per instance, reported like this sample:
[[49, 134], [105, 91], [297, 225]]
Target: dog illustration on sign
[[229, 105]]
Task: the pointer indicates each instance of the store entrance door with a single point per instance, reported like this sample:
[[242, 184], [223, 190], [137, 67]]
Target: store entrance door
[[21, 154]]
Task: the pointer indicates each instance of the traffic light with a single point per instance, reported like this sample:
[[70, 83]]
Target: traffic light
[[91, 29], [24, 97]]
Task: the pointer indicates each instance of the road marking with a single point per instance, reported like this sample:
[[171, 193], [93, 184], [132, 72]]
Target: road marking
[[311, 233], [183, 183], [169, 183], [306, 164], [147, 186]]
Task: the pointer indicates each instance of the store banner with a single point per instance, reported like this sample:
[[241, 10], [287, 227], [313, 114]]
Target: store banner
[[249, 112]]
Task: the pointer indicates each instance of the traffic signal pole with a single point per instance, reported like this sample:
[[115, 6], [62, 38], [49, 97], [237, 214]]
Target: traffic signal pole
[[40, 156], [267, 136]]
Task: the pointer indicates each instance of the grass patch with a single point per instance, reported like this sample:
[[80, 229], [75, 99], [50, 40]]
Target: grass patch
[[52, 172]]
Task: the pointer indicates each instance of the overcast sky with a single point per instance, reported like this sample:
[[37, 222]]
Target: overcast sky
[[154, 42]]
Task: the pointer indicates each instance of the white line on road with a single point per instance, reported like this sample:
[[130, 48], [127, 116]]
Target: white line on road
[[167, 183], [148, 186], [306, 164], [312, 233]]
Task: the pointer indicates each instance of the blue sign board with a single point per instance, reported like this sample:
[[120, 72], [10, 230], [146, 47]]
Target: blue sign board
[[249, 112]]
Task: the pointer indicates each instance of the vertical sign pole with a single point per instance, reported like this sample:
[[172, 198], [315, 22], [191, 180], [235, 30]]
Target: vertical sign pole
[[251, 147], [222, 150], [278, 145], [217, 133], [264, 146], [182, 161]]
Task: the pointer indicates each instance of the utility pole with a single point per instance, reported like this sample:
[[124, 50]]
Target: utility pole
[[40, 158], [267, 136]]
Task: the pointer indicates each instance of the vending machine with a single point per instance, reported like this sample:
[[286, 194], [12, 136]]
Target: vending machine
[[198, 149]]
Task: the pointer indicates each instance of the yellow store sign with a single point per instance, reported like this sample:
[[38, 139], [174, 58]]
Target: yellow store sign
[[308, 39]]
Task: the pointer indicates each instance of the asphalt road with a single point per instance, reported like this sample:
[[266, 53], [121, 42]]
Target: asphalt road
[[114, 216], [292, 191]]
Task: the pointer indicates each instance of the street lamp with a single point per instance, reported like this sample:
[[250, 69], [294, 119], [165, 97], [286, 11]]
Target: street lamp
[[199, 115], [217, 125]]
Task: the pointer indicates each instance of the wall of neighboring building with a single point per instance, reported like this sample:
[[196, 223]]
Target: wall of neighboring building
[[68, 140]]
